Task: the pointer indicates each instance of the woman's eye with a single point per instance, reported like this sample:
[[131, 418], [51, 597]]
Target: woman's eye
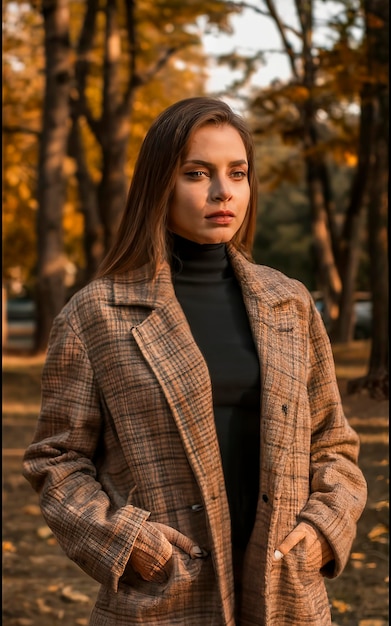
[[239, 174], [196, 174]]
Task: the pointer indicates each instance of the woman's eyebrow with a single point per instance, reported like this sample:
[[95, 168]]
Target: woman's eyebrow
[[208, 164]]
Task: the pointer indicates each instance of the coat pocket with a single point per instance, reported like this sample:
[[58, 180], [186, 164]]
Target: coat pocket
[[145, 602], [309, 546], [181, 571]]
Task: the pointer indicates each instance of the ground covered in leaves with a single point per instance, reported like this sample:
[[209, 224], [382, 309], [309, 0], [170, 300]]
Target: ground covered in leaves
[[41, 587]]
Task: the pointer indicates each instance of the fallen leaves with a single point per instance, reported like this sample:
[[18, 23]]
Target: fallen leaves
[[382, 504], [379, 534], [341, 606], [32, 509], [8, 546], [44, 532], [69, 594]]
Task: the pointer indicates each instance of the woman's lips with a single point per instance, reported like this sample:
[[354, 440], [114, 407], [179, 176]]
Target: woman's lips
[[221, 217]]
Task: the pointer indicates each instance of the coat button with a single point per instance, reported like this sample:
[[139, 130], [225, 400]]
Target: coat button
[[265, 497], [197, 507]]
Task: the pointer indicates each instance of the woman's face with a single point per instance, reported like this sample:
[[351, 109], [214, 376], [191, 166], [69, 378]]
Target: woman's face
[[212, 190]]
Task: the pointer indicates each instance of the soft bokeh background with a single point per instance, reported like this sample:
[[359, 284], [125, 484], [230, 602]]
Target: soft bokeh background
[[82, 81]]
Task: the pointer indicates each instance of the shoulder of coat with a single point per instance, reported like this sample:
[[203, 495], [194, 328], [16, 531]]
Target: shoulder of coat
[[259, 278], [87, 302]]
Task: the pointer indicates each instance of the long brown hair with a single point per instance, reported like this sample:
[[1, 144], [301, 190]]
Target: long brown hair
[[143, 236]]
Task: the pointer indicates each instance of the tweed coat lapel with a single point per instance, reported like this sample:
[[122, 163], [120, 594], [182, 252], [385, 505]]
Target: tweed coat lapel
[[167, 344], [165, 341], [275, 331]]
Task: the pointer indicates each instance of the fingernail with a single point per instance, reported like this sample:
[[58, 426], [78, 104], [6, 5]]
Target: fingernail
[[278, 555], [196, 551]]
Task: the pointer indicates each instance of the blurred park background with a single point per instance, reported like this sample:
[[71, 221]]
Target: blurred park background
[[82, 82]]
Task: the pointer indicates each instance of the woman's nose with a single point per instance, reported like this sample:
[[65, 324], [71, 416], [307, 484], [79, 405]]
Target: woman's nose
[[221, 191]]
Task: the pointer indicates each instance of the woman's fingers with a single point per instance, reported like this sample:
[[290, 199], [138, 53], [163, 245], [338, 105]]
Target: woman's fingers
[[181, 541], [152, 552], [294, 537]]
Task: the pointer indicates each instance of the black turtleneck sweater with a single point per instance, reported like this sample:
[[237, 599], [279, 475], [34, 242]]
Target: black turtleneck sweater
[[212, 301]]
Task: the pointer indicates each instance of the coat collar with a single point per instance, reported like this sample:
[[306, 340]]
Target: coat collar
[[260, 281], [137, 287]]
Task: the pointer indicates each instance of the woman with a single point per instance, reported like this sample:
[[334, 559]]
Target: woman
[[191, 453]]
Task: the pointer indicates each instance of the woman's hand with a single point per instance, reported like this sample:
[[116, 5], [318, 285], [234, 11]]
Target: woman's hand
[[308, 532], [152, 551]]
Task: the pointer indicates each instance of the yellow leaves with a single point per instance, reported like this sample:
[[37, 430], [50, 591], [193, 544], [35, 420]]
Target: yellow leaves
[[379, 534], [24, 191], [12, 176], [8, 546], [44, 532], [73, 221], [350, 159], [33, 204], [341, 606], [32, 509], [294, 93], [69, 166], [382, 504], [52, 541], [299, 93], [19, 232], [358, 556], [73, 225], [70, 594], [357, 560], [43, 607]]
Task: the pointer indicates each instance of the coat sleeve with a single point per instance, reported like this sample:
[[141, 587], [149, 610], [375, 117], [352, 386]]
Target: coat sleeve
[[338, 489], [59, 464]]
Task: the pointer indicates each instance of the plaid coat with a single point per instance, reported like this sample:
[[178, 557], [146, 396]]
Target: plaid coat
[[126, 434]]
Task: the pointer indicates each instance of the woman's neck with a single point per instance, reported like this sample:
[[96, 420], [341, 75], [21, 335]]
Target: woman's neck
[[194, 259]]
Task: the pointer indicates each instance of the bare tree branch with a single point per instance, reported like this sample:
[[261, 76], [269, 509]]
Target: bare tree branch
[[83, 64], [246, 5], [282, 28], [132, 38], [139, 79], [161, 62]]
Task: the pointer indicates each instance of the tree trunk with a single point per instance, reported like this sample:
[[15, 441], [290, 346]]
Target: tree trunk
[[319, 189], [50, 292], [93, 229], [4, 317], [336, 271], [376, 380], [343, 328], [115, 131], [348, 256], [113, 184], [377, 229], [329, 280]]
